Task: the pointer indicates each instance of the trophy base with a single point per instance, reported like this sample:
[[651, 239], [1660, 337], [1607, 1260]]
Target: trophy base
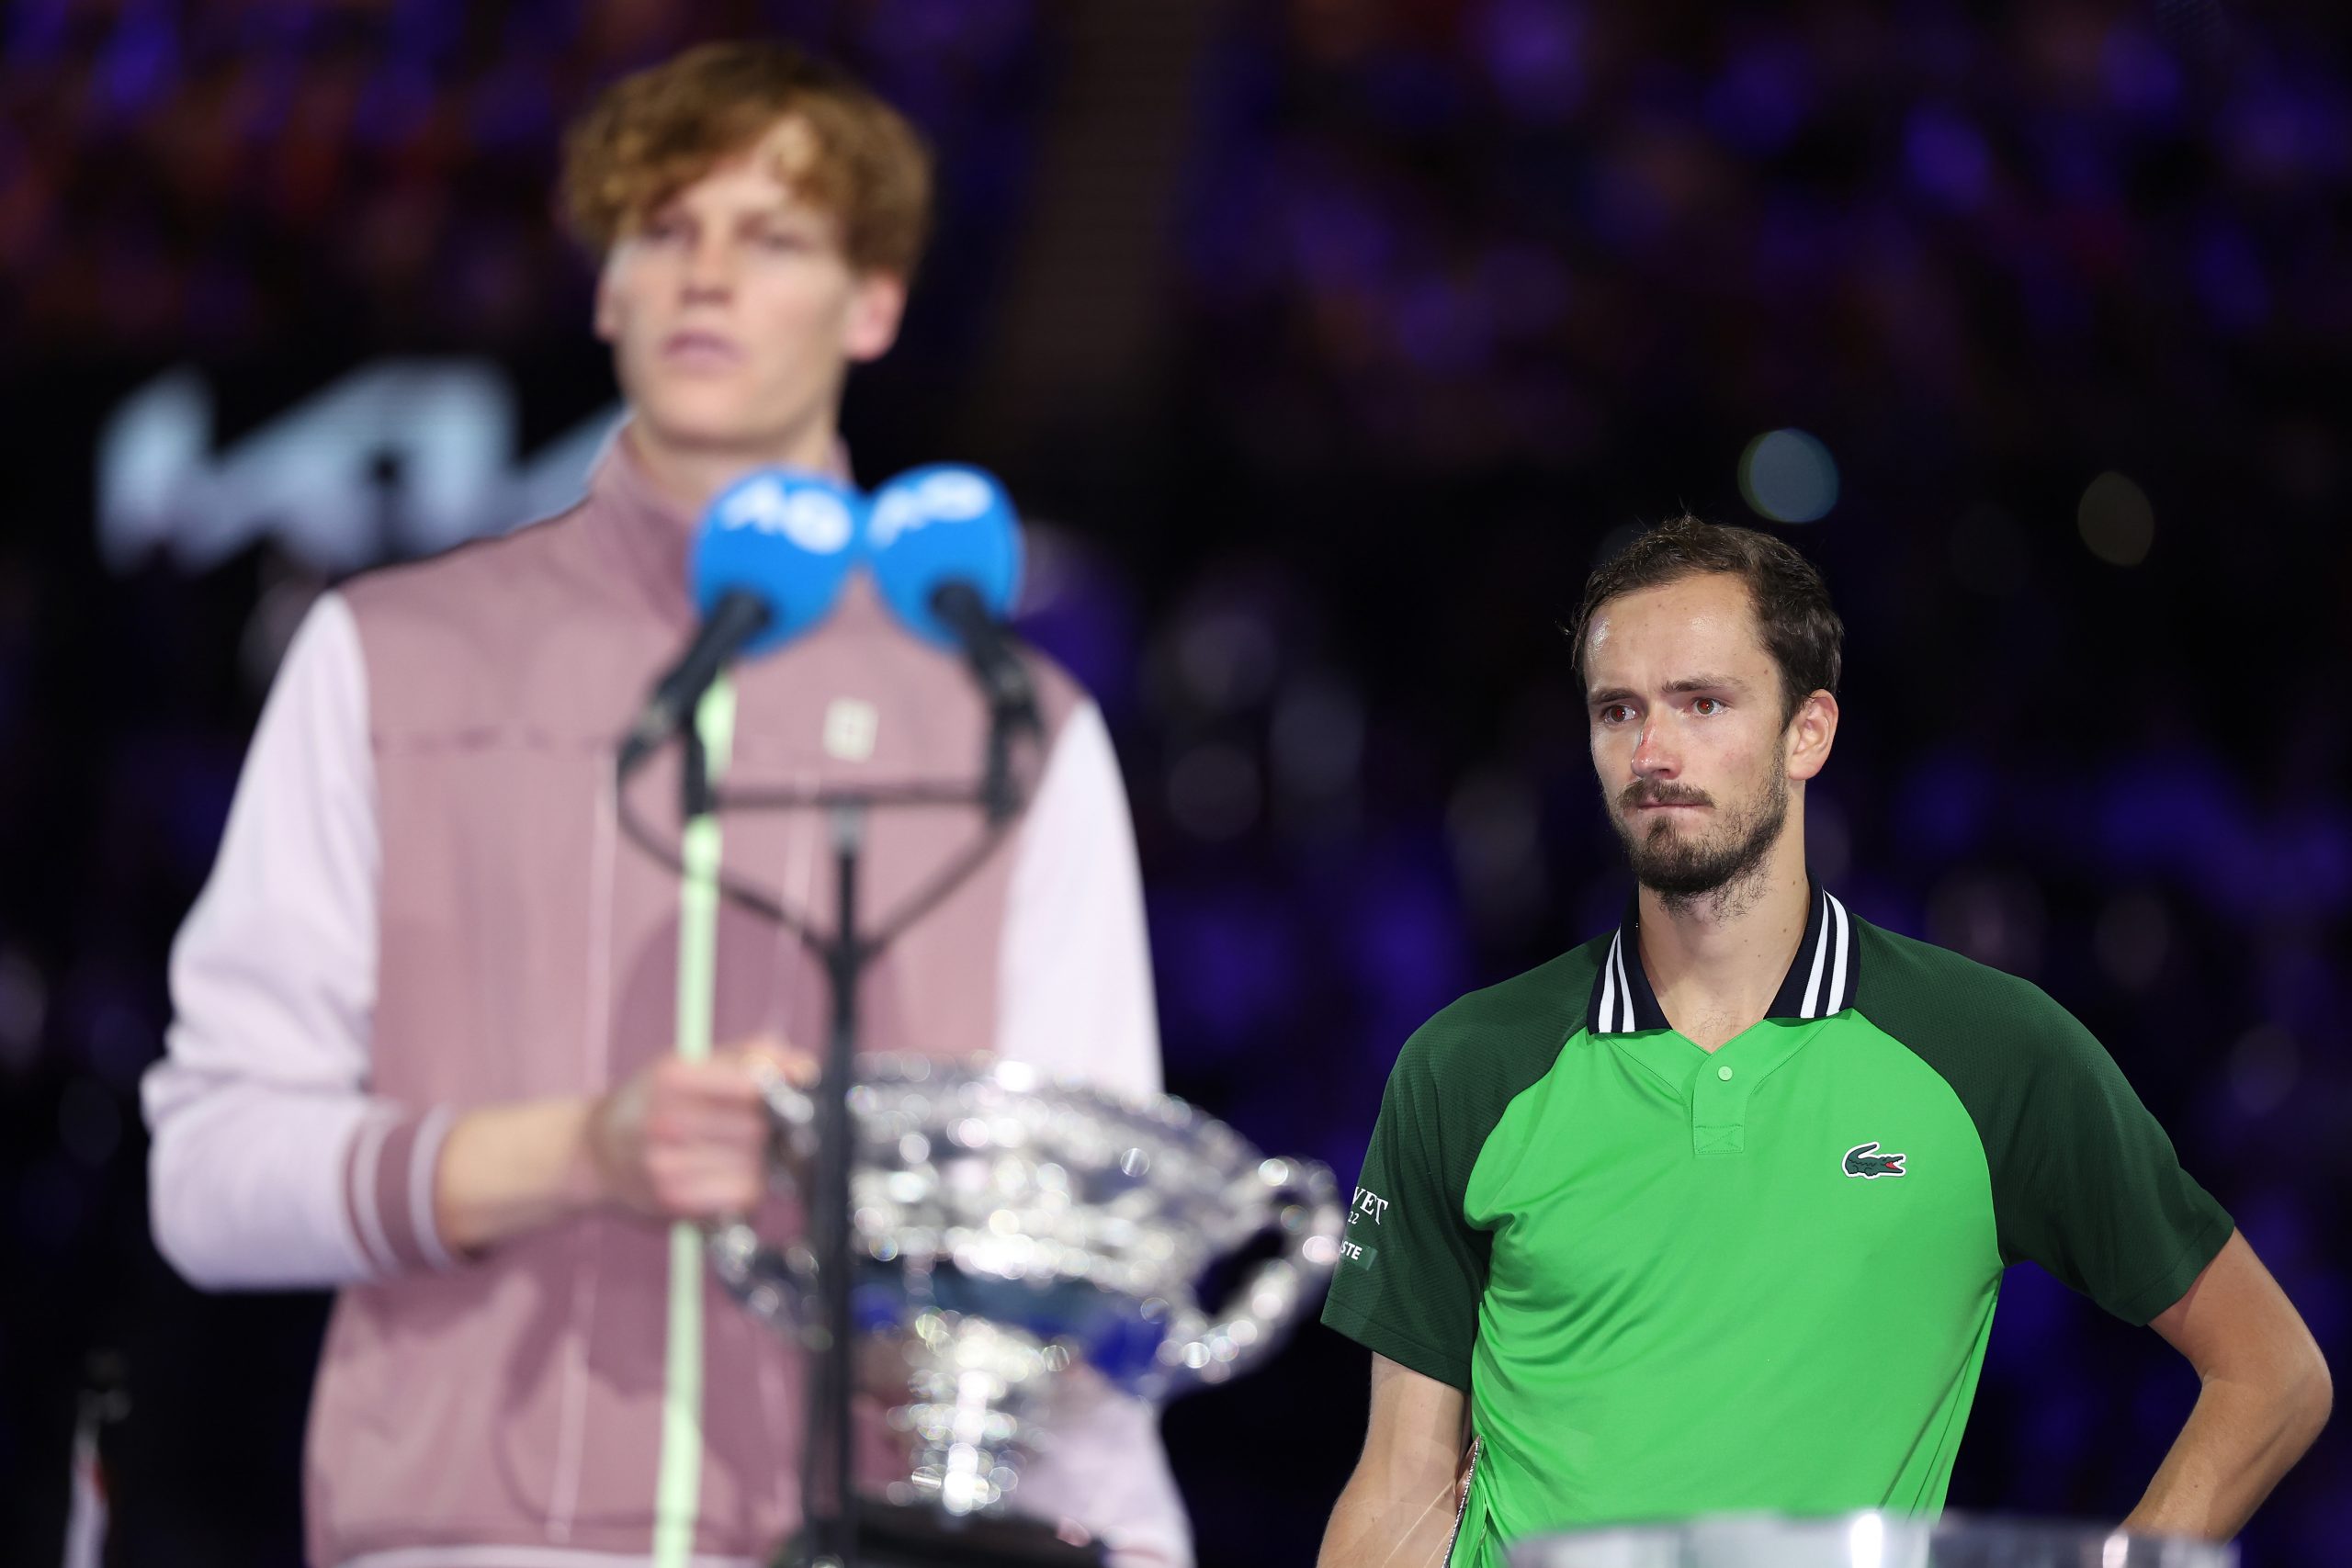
[[900, 1534]]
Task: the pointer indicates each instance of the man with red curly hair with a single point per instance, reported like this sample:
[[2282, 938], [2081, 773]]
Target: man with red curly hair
[[422, 1050]]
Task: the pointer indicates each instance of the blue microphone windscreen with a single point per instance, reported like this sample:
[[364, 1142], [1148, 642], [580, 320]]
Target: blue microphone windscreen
[[938, 523], [786, 536]]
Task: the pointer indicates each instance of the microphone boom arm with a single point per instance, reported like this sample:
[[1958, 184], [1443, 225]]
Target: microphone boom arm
[[1004, 681]]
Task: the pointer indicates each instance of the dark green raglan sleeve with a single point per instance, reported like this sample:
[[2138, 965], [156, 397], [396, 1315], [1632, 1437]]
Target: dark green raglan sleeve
[[2095, 1193], [2085, 1180], [1412, 1269]]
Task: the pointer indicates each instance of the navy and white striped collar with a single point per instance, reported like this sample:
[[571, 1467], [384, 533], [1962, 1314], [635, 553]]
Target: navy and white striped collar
[[1820, 981]]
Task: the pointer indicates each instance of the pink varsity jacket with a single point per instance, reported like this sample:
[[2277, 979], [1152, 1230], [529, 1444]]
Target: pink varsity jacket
[[423, 903]]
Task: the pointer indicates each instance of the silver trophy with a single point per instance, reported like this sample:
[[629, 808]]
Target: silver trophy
[[1009, 1227], [1867, 1541]]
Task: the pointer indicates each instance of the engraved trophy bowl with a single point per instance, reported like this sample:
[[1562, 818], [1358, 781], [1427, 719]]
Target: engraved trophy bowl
[[1009, 1227]]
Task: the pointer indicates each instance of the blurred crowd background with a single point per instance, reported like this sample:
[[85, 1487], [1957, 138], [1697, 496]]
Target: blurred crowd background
[[1327, 344]]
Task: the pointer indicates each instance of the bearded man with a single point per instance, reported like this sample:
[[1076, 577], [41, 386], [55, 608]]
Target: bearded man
[[1710, 1213]]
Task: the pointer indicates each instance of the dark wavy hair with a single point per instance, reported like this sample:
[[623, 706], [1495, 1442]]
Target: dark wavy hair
[[1804, 635]]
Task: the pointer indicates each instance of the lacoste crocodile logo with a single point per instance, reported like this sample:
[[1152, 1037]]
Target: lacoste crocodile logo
[[1863, 1160]]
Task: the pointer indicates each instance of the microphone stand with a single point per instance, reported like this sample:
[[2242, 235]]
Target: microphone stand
[[833, 1537], [830, 1509], [831, 1533]]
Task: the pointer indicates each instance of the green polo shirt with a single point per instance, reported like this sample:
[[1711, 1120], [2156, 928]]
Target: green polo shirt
[[1678, 1283]]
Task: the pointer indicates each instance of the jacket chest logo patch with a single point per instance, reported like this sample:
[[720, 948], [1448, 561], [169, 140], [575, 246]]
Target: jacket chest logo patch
[[850, 729], [1865, 1161]]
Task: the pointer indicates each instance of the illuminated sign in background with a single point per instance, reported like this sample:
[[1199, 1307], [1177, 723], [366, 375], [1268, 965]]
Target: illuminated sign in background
[[401, 457]]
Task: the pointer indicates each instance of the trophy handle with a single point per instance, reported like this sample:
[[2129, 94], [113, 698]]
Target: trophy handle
[[1303, 1201], [776, 1286]]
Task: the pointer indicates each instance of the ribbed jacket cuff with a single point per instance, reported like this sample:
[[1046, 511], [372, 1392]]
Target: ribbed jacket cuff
[[388, 1190]]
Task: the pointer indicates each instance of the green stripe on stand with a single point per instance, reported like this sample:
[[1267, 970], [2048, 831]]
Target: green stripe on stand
[[677, 1498]]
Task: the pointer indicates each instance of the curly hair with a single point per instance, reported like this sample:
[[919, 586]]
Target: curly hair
[[651, 134], [1800, 630]]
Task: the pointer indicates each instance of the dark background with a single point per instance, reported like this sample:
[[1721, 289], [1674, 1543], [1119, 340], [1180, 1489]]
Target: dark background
[[1327, 344]]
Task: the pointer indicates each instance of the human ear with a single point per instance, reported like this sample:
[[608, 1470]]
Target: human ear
[[1811, 735], [608, 317], [878, 303]]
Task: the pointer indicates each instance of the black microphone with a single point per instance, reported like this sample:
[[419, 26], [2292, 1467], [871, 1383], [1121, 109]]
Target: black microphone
[[738, 617], [988, 648], [1003, 680], [947, 554], [767, 564]]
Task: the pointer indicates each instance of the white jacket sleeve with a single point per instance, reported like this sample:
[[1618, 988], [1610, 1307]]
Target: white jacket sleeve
[[1074, 990], [1074, 998], [272, 1167]]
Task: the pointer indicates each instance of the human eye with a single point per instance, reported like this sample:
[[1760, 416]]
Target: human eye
[[666, 228], [1614, 713], [779, 239], [1707, 707]]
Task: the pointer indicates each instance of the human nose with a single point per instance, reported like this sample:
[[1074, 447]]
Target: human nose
[[710, 267], [1654, 755]]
